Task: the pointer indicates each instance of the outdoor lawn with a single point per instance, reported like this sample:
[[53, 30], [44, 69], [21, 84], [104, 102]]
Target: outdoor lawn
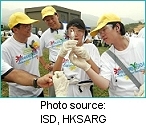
[[97, 92]]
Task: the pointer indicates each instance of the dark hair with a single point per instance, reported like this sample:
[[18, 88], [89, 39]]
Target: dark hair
[[77, 22], [16, 26], [122, 28]]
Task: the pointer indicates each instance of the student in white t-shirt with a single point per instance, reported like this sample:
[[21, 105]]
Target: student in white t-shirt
[[80, 84], [129, 50]]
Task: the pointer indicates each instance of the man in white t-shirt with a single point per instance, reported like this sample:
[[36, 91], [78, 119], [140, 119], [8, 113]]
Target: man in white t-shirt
[[21, 51], [52, 39]]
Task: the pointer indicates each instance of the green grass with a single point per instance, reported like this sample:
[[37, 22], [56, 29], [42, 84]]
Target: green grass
[[97, 92]]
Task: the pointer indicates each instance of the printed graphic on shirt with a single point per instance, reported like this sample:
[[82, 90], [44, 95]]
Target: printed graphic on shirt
[[66, 63], [133, 68], [34, 45], [58, 40], [28, 53]]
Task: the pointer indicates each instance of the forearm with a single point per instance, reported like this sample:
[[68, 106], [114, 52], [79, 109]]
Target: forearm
[[42, 61], [20, 77], [94, 66], [58, 64], [97, 79]]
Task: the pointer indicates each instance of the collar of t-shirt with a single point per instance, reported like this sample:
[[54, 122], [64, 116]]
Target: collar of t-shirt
[[61, 28]]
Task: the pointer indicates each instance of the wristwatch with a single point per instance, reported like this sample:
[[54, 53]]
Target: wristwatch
[[35, 85]]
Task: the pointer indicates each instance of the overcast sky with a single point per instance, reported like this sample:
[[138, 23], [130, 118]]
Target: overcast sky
[[131, 9]]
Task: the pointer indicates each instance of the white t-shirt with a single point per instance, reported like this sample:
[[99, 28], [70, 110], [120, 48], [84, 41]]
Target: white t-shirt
[[40, 32], [25, 57], [127, 34], [5, 68], [133, 58], [97, 37], [141, 33], [73, 72], [89, 37], [52, 41]]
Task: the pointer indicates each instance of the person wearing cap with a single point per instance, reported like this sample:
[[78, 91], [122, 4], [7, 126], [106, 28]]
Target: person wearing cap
[[51, 39], [80, 84], [129, 50], [24, 78], [21, 51]]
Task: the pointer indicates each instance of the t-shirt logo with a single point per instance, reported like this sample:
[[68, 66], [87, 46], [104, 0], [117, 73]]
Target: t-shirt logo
[[28, 53]]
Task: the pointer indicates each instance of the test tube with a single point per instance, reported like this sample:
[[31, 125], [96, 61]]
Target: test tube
[[72, 34]]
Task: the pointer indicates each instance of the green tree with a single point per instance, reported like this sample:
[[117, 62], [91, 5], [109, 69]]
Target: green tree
[[6, 27]]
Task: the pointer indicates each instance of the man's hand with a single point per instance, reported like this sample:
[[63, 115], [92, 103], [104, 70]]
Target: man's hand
[[45, 81], [60, 84], [79, 62], [141, 92], [81, 52], [49, 67], [67, 45]]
